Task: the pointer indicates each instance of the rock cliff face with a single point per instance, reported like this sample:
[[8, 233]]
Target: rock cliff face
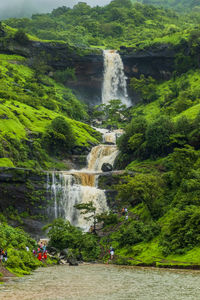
[[25, 199], [88, 63], [156, 62]]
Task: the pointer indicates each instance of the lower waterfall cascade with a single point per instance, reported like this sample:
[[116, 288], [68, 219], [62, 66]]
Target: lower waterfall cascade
[[68, 188]]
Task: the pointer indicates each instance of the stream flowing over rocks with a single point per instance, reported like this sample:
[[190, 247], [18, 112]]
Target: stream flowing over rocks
[[103, 282]]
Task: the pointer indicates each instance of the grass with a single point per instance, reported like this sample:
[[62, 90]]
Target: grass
[[190, 113], [6, 162], [27, 107], [7, 57], [151, 254]]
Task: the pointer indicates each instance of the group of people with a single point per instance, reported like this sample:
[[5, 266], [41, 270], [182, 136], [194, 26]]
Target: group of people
[[3, 255], [41, 252]]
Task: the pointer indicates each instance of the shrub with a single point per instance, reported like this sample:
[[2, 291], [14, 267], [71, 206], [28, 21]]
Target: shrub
[[137, 232], [58, 138], [63, 235], [21, 37], [183, 230]]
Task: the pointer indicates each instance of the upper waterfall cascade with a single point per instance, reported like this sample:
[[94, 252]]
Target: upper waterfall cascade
[[69, 188], [114, 82]]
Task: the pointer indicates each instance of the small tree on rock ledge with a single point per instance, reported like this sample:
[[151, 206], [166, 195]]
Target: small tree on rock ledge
[[89, 210]]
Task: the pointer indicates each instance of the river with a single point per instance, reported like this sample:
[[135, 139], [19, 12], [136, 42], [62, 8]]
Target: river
[[103, 282]]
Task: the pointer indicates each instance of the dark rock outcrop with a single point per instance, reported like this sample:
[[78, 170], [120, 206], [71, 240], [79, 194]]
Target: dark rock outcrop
[[106, 167], [157, 62], [25, 200], [88, 64]]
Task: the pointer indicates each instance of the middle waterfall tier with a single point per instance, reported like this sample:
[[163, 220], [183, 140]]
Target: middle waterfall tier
[[69, 188]]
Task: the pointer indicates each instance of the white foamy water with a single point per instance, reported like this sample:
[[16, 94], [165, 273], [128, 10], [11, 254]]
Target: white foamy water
[[81, 186], [114, 82]]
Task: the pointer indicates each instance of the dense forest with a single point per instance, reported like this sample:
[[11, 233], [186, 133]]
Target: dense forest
[[117, 24], [42, 123]]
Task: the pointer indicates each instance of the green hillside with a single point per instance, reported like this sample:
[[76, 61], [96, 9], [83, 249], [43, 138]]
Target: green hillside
[[178, 5], [42, 124], [117, 24], [28, 103]]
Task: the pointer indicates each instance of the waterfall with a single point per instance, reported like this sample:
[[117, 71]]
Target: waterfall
[[114, 83], [101, 154], [68, 188]]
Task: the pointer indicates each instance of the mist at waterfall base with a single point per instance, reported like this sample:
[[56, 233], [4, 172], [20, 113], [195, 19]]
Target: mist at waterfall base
[[25, 8], [68, 188]]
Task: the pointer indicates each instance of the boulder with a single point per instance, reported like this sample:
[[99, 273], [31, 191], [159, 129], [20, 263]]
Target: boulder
[[106, 167], [72, 261]]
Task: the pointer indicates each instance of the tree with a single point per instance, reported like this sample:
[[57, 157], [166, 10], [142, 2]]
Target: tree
[[112, 113], [65, 76], [144, 188], [145, 87], [59, 138], [21, 37], [63, 235], [89, 210], [158, 137], [182, 162]]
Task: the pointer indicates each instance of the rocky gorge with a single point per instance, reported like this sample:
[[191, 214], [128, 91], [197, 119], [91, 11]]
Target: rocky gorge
[[158, 62]]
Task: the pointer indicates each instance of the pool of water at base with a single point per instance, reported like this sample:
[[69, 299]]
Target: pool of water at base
[[103, 282]]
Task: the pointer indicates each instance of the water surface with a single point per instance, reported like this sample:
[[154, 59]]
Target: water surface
[[100, 282]]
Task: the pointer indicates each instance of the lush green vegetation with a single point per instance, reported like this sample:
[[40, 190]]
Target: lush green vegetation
[[161, 146], [117, 24], [183, 5], [160, 149], [80, 245], [15, 240], [30, 104]]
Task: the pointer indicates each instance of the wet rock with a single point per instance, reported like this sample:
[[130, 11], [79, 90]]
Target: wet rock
[[52, 250], [106, 167], [72, 261], [64, 253]]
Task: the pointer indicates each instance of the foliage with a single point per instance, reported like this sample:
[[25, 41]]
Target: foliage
[[143, 188], [65, 76], [28, 104], [15, 240], [182, 232], [145, 87], [63, 235], [126, 23], [21, 37], [112, 115], [89, 210], [136, 232], [58, 138]]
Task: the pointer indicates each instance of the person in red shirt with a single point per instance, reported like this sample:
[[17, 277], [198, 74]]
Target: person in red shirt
[[45, 255], [40, 256]]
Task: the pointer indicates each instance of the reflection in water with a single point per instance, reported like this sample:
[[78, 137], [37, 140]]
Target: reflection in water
[[104, 282]]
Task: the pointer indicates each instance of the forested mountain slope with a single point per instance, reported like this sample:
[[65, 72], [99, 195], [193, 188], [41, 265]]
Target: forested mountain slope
[[39, 117], [160, 149], [117, 24], [178, 5]]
